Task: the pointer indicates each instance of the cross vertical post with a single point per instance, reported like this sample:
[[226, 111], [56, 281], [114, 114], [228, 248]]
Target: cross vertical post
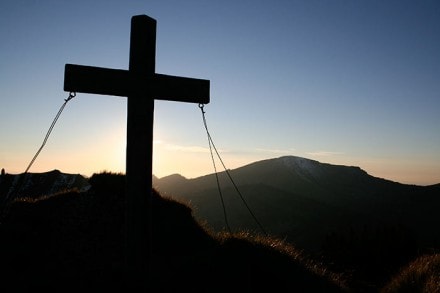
[[139, 156]]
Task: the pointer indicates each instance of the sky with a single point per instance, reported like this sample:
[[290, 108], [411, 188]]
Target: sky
[[353, 83]]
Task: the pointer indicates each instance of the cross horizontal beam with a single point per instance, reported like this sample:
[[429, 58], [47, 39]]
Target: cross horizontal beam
[[119, 82]]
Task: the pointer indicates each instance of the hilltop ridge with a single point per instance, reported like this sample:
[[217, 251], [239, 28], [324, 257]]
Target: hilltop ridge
[[73, 242]]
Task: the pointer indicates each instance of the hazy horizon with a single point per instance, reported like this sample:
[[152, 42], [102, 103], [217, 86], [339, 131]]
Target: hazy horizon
[[219, 169]]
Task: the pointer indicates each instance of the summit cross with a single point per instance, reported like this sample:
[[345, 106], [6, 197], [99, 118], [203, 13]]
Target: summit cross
[[141, 85]]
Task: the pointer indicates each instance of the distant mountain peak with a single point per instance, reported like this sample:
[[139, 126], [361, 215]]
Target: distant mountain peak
[[174, 177], [302, 166], [315, 168], [35, 185], [294, 161]]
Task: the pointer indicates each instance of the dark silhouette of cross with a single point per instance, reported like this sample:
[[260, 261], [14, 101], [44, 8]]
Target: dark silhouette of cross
[[141, 85]]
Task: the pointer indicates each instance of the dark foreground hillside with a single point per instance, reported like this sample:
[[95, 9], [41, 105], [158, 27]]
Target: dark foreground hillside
[[73, 242]]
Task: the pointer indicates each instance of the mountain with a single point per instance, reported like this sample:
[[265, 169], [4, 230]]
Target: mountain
[[304, 201], [35, 185]]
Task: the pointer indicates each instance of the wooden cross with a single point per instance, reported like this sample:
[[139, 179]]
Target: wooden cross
[[141, 85]]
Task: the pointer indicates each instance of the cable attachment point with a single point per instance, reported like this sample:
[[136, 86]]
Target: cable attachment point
[[201, 106], [71, 96]]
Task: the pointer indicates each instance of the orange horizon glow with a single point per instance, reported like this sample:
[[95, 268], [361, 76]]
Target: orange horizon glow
[[195, 161]]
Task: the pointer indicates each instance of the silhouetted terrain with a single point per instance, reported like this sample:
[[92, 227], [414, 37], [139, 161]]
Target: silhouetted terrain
[[364, 225], [34, 185], [305, 200], [332, 219], [73, 242]]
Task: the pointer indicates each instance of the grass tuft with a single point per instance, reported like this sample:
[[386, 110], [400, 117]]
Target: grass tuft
[[421, 275], [289, 260]]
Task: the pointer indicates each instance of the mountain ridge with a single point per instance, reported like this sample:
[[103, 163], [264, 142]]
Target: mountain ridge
[[291, 194], [298, 161], [35, 185], [303, 167]]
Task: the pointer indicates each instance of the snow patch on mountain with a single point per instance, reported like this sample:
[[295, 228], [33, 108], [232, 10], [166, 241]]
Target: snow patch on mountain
[[34, 185], [306, 168]]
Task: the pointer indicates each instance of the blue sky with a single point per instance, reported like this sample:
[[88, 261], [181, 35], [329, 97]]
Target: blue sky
[[341, 82]]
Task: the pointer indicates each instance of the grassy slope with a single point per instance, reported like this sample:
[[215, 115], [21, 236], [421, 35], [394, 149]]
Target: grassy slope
[[421, 275], [74, 241]]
